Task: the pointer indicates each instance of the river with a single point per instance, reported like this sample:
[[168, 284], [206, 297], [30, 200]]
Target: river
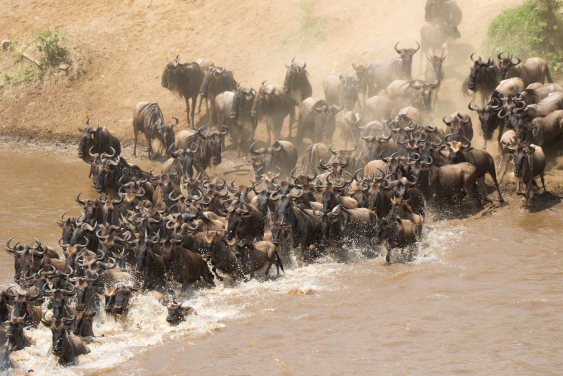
[[483, 297]]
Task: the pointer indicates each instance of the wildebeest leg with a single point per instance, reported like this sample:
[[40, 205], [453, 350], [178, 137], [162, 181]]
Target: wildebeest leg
[[269, 130], [149, 145], [188, 109], [528, 190], [543, 182], [500, 130], [135, 146], [214, 270], [291, 120], [504, 158], [208, 277]]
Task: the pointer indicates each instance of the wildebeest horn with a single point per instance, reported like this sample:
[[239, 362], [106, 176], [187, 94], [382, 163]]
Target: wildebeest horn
[[519, 60], [226, 130], [323, 166], [201, 134], [468, 143], [93, 155], [252, 151], [413, 50], [446, 139], [474, 108], [398, 51], [447, 122], [500, 56], [471, 57], [334, 152], [79, 200]]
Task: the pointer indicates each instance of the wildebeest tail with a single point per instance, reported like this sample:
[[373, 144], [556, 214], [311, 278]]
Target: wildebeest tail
[[548, 75], [465, 87], [280, 264]]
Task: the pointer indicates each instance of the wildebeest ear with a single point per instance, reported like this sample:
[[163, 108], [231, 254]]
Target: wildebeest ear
[[287, 66]]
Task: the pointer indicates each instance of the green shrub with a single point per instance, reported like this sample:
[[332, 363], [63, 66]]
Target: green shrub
[[48, 43], [531, 29]]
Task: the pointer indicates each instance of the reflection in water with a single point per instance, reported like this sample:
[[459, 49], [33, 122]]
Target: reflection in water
[[484, 297]]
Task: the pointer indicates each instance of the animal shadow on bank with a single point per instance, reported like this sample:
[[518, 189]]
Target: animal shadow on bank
[[543, 201]]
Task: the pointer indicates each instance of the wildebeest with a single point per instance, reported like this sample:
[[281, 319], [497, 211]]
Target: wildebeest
[[83, 324], [397, 233], [296, 84], [459, 125], [533, 93], [359, 71], [529, 162], [254, 256], [547, 129], [437, 36], [244, 222], [552, 102], [482, 79], [178, 312], [317, 120], [435, 73], [186, 267], [272, 105], [441, 10], [488, 117], [312, 155], [16, 338], [148, 119], [282, 155], [66, 347], [233, 110], [381, 72], [534, 69], [185, 81], [208, 145], [97, 141], [450, 181], [220, 252], [340, 90], [216, 81]]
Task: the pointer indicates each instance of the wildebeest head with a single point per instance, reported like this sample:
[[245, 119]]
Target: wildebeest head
[[325, 121], [283, 205], [212, 74], [375, 146], [350, 91], [505, 64], [406, 56], [457, 121], [18, 251], [214, 140], [68, 225], [456, 150], [436, 62], [486, 117], [143, 248], [294, 75], [15, 335], [83, 323], [166, 133], [177, 313], [58, 299], [90, 208], [122, 296], [243, 99], [265, 98], [361, 76], [238, 212], [427, 149], [89, 134], [269, 156], [521, 157], [480, 72], [60, 333], [425, 90]]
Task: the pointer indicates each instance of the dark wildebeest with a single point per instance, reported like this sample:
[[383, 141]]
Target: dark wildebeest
[[341, 91], [297, 85], [351, 128], [450, 181], [16, 338], [282, 155], [442, 10], [435, 73], [96, 140], [525, 115], [208, 145], [233, 110], [272, 105], [529, 162], [185, 266], [382, 72], [358, 72], [83, 324], [534, 93], [184, 80], [317, 121], [220, 252], [488, 117], [148, 119], [377, 147], [244, 222], [459, 125], [66, 347], [437, 36], [178, 312], [482, 79], [481, 159], [548, 129], [397, 233], [533, 70], [216, 81]]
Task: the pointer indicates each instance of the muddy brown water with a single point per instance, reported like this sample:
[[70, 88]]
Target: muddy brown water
[[483, 297]]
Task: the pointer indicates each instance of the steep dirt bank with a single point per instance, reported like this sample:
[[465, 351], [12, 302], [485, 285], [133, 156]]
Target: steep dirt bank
[[128, 43]]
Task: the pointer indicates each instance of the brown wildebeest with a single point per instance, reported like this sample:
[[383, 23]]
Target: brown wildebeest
[[482, 79], [438, 36], [397, 233], [222, 257], [244, 222], [547, 129], [178, 312], [532, 70], [174, 166], [380, 107], [358, 72], [544, 107], [23, 306], [341, 90], [186, 267], [529, 162], [272, 105], [317, 120], [509, 137], [297, 85], [441, 10], [382, 72], [16, 338], [435, 73], [83, 324], [481, 159], [216, 81], [282, 155], [314, 153], [207, 144], [66, 347], [148, 119], [488, 117], [450, 181], [96, 140], [459, 125], [185, 81], [254, 256], [233, 110]]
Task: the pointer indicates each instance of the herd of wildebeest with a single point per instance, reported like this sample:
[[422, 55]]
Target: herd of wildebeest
[[151, 232]]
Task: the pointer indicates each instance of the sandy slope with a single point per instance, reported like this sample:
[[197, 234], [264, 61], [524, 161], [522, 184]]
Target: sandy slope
[[128, 42]]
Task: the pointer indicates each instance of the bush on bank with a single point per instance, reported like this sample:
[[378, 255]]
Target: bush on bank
[[533, 28]]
